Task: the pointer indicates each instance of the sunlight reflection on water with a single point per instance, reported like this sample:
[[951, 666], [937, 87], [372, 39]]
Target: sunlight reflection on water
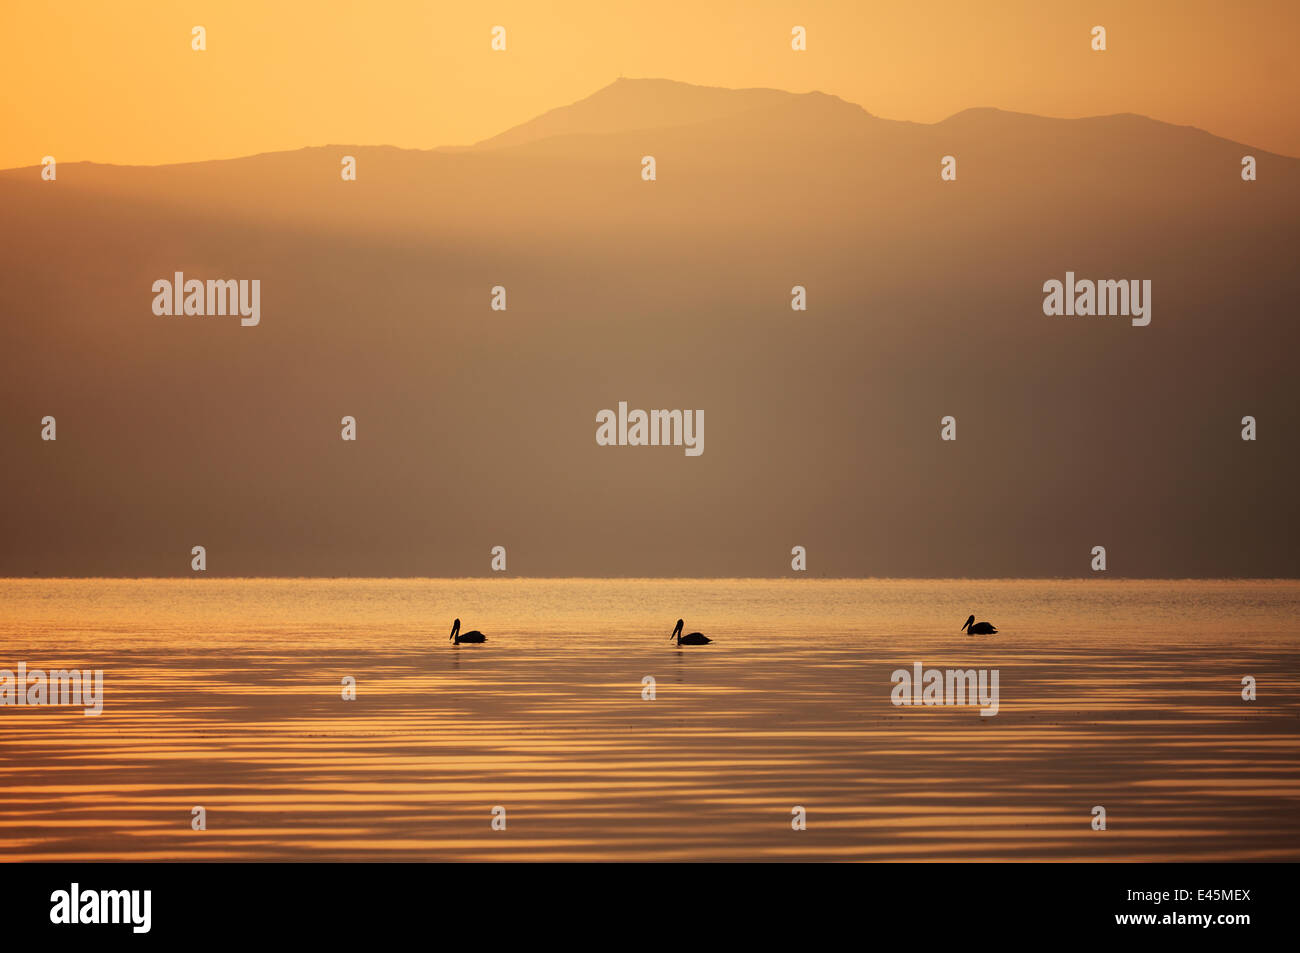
[[226, 693]]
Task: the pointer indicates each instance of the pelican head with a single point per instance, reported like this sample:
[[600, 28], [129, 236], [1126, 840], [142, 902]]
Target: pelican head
[[969, 621], [455, 627], [677, 630]]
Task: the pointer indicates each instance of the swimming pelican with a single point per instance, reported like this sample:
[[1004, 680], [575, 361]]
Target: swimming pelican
[[695, 638], [472, 636], [979, 628]]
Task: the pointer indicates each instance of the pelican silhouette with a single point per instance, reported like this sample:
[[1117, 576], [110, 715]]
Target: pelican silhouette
[[695, 638], [472, 636], [979, 628]]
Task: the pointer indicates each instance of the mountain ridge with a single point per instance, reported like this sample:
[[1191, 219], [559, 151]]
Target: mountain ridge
[[925, 298], [585, 117]]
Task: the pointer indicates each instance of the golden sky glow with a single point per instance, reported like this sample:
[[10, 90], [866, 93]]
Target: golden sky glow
[[119, 83]]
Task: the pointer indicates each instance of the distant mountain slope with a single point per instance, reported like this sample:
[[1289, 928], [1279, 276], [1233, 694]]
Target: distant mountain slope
[[476, 427], [629, 105]]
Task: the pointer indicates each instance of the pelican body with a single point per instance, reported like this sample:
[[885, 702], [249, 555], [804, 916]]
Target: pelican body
[[695, 638], [979, 628], [474, 635]]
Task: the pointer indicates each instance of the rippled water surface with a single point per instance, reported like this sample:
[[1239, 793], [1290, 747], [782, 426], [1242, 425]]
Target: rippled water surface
[[226, 693]]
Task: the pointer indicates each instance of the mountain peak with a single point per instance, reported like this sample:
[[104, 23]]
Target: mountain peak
[[631, 104]]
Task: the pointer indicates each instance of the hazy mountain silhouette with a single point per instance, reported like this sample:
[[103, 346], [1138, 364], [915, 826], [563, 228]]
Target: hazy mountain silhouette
[[477, 428], [632, 105]]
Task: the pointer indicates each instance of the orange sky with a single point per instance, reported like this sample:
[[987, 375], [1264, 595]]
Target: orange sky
[[118, 82]]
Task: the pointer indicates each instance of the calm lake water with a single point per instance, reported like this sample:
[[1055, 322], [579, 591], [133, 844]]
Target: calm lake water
[[226, 693]]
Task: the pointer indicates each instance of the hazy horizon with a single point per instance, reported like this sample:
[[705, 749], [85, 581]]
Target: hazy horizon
[[502, 136], [198, 578], [85, 84]]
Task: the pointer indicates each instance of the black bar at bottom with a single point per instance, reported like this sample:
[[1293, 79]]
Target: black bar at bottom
[[1216, 904]]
